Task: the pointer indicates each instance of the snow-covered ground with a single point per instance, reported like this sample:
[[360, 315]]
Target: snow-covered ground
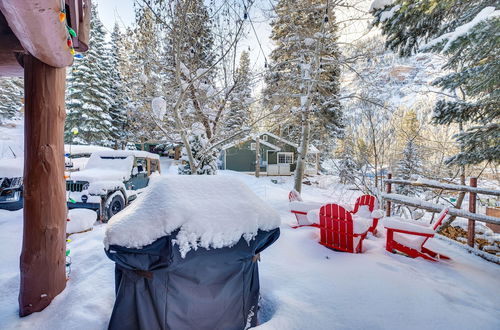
[[303, 284]]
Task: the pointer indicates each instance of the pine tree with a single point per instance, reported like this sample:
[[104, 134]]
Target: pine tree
[[238, 114], [10, 97], [89, 98], [206, 161], [119, 92], [467, 33], [409, 166], [301, 31]]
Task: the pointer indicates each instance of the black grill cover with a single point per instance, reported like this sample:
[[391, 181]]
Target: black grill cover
[[208, 289]]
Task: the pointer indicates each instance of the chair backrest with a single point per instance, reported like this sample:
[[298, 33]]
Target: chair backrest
[[336, 227], [369, 200], [294, 196], [440, 218]]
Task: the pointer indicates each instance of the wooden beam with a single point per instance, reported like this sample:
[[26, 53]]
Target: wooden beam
[[42, 265], [36, 25], [445, 186]]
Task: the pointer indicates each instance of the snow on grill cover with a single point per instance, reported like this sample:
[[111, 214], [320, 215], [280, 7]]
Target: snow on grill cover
[[185, 255], [210, 211]]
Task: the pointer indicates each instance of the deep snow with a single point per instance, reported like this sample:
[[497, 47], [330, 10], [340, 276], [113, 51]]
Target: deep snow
[[303, 284]]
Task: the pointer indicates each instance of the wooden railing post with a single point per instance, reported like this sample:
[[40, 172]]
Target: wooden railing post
[[471, 226], [389, 189]]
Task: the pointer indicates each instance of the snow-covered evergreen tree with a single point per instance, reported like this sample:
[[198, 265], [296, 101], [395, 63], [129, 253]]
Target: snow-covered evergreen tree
[[238, 114], [11, 94], [467, 33], [410, 165], [206, 160], [119, 91], [89, 91], [302, 31]]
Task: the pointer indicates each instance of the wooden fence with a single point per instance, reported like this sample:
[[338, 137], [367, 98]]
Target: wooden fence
[[471, 215]]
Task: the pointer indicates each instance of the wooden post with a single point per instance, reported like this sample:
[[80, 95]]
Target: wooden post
[[257, 157], [389, 190], [471, 226], [43, 259]]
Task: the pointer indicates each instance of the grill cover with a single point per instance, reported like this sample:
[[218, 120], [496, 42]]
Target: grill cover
[[208, 289]]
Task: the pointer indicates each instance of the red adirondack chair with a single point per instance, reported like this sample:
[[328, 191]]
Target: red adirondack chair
[[409, 237], [339, 231], [300, 208], [371, 202]]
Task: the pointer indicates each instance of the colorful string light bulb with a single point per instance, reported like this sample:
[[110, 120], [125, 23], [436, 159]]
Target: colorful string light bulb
[[62, 16]]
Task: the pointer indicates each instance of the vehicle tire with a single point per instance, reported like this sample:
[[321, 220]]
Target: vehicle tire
[[114, 204]]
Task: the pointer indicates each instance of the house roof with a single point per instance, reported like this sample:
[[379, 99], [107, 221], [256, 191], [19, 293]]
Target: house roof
[[312, 149], [252, 137]]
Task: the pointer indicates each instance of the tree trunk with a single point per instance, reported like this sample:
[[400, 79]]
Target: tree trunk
[[42, 264], [257, 156], [304, 146]]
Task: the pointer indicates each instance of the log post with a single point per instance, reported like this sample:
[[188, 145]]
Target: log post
[[389, 190], [471, 226], [42, 262]]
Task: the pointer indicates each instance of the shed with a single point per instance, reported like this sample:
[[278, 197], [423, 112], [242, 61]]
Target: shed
[[186, 255], [37, 41], [278, 156]]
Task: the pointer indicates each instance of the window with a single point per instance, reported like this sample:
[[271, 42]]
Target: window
[[285, 157], [253, 146], [264, 137]]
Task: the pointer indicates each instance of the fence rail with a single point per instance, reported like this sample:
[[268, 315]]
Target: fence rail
[[473, 190]]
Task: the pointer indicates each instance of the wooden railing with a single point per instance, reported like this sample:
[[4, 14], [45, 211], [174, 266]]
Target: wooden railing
[[471, 215]]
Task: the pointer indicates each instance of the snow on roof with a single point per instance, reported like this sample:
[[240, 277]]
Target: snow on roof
[[126, 153], [312, 149], [11, 167], [83, 149], [232, 144], [209, 211]]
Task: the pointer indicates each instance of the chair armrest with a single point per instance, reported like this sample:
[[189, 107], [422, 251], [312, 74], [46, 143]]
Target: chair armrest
[[402, 231], [396, 223]]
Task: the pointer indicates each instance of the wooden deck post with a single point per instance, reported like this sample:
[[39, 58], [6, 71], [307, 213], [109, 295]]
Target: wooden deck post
[[471, 226], [389, 190], [42, 264]]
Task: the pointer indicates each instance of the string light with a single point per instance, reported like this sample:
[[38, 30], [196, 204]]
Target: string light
[[69, 42], [62, 16], [71, 32]]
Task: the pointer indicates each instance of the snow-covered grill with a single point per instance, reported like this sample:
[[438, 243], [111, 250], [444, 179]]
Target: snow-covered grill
[[192, 241]]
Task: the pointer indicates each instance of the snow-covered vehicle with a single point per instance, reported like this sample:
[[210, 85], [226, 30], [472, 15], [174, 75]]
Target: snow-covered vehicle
[[113, 178], [11, 184], [77, 156]]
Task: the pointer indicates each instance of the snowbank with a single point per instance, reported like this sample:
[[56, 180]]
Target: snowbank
[[210, 211], [80, 220], [11, 168]]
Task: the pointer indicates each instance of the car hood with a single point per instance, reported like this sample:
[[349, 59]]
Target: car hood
[[95, 175]]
